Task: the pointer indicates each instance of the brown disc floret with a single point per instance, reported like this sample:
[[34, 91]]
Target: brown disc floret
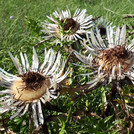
[[70, 24]]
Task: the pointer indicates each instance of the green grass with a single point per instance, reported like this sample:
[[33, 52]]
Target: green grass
[[13, 31], [23, 31]]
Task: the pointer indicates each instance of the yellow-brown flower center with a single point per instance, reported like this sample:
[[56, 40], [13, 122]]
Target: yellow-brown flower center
[[70, 24], [30, 86], [112, 57]]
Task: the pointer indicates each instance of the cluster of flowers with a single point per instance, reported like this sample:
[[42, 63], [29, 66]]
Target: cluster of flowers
[[108, 55]]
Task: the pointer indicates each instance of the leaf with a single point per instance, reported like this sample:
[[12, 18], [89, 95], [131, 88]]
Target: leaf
[[62, 129], [107, 118], [114, 131], [69, 115], [104, 99]]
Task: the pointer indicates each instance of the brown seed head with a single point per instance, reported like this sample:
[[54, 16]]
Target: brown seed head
[[70, 24], [112, 57], [33, 80]]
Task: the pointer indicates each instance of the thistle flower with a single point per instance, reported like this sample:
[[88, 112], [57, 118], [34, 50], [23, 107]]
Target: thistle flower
[[33, 86], [64, 26], [102, 24], [112, 59]]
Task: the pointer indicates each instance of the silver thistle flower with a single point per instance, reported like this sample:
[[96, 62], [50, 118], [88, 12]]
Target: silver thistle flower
[[112, 59], [102, 24], [64, 26], [32, 86]]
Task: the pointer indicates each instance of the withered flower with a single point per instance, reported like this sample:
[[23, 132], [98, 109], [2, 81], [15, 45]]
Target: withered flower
[[110, 60]]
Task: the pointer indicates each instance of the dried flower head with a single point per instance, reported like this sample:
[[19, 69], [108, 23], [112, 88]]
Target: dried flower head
[[33, 85], [112, 59], [63, 25]]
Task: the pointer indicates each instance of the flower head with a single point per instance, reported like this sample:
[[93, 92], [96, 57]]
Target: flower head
[[102, 24], [33, 85], [11, 17], [112, 59], [65, 26]]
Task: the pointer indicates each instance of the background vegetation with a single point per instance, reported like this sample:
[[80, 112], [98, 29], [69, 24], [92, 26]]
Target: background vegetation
[[23, 31]]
